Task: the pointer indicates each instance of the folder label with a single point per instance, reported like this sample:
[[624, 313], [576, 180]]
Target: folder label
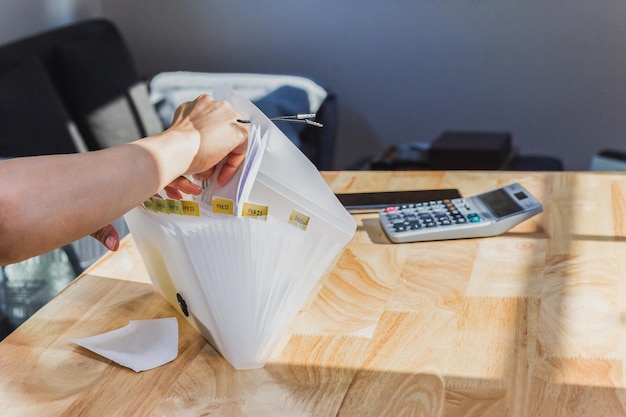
[[298, 219], [149, 205], [223, 205], [170, 206], [174, 207], [160, 205], [254, 210], [190, 208]]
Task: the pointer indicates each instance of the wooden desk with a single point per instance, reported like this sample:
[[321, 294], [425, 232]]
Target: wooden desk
[[531, 323]]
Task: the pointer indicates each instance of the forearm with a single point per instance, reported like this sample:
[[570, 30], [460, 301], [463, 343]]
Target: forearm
[[65, 197], [49, 201]]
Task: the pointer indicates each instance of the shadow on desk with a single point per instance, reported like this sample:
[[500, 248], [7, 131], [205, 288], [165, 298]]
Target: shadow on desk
[[374, 230]]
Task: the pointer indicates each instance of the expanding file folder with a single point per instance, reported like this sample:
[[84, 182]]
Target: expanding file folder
[[240, 279]]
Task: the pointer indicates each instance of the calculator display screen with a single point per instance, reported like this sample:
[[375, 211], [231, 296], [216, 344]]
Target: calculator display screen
[[500, 203]]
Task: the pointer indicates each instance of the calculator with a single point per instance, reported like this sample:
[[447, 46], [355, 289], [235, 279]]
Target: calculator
[[488, 214]]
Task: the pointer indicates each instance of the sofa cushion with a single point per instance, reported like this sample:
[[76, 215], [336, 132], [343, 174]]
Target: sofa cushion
[[103, 92], [34, 121], [284, 101]]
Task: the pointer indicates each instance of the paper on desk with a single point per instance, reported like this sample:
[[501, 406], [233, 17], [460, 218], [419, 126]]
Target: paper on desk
[[239, 187], [141, 345]]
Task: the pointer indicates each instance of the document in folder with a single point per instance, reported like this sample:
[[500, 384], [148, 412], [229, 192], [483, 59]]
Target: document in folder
[[238, 189], [239, 261]]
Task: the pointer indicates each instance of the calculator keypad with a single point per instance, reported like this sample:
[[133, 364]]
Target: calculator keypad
[[430, 214]]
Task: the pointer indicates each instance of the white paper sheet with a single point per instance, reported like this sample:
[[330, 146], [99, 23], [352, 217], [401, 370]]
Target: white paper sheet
[[141, 345]]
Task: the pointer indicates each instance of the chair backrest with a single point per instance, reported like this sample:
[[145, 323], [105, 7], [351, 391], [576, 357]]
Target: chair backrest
[[82, 73], [608, 160]]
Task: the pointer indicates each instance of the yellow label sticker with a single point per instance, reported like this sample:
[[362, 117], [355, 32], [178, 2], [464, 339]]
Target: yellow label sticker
[[298, 219], [148, 204], [174, 206], [159, 205], [190, 208], [254, 210], [222, 205]]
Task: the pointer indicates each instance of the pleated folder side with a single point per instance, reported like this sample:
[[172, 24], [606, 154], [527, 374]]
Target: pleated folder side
[[241, 280]]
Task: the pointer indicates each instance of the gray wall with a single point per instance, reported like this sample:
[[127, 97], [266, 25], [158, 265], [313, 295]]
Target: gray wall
[[19, 18], [551, 72]]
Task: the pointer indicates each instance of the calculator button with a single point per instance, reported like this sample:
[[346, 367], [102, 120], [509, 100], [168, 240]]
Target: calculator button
[[401, 227]]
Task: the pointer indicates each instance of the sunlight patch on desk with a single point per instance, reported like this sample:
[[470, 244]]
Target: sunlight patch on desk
[[595, 372], [580, 314], [428, 279], [128, 265], [508, 267], [353, 295], [488, 335]]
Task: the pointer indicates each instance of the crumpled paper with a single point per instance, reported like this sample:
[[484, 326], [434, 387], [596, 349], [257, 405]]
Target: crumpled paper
[[141, 345]]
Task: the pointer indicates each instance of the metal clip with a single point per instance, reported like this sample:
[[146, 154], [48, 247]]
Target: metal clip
[[296, 118]]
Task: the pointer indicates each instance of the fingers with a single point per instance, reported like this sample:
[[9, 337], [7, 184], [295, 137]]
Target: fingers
[[108, 236], [187, 107], [231, 164], [236, 157], [181, 185], [222, 138], [205, 175], [232, 161]]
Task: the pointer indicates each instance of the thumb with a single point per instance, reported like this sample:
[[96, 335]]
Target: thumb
[[108, 236]]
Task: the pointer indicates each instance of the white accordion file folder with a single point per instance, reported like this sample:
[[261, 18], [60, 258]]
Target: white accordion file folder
[[240, 261]]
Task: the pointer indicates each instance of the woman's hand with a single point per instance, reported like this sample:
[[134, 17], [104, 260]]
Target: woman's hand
[[222, 137]]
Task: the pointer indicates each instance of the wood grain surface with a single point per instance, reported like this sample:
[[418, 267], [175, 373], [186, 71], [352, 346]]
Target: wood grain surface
[[527, 324]]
